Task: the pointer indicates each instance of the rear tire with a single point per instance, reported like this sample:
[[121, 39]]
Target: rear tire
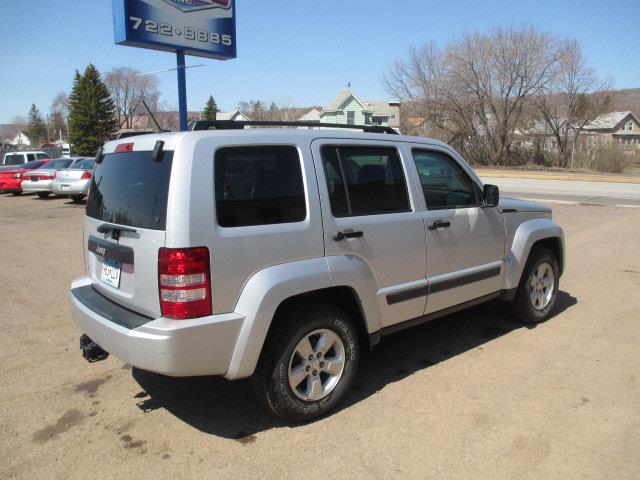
[[299, 389], [43, 194], [538, 288]]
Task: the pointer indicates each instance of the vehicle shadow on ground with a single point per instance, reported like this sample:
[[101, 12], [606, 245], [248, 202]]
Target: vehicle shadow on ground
[[229, 409]]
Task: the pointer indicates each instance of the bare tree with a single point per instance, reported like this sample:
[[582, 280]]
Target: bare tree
[[59, 113], [568, 102], [128, 88], [475, 90]]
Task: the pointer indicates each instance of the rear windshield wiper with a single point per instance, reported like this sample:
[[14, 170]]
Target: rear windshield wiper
[[115, 230]]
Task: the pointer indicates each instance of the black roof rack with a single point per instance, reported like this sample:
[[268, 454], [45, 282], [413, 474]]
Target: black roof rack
[[197, 125]]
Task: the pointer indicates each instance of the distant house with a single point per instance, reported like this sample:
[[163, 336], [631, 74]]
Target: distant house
[[386, 114], [13, 137], [312, 115], [349, 109], [234, 115], [539, 135], [615, 128]]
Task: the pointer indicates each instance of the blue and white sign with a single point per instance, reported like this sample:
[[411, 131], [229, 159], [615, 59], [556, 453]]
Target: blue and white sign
[[204, 28]]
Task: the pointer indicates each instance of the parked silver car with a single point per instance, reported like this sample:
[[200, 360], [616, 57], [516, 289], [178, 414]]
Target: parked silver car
[[75, 180], [39, 181], [281, 254]]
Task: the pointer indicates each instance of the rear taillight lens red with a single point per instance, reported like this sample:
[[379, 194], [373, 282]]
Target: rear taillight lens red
[[184, 278], [86, 176]]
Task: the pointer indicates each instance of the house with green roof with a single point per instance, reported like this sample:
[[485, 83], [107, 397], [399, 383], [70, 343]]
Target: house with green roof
[[348, 108]]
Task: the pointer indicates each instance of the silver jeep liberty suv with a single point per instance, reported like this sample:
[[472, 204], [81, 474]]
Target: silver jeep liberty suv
[[280, 254]]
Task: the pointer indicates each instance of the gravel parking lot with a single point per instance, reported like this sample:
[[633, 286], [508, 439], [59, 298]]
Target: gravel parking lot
[[474, 395]]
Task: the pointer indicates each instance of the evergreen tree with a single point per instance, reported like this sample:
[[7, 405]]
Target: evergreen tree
[[37, 130], [92, 118], [210, 109]]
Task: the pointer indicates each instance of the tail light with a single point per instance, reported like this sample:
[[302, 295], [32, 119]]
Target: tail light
[[86, 176], [124, 148], [184, 278]]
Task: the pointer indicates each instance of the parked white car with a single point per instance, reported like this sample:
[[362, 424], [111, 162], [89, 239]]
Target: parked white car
[[74, 181], [39, 181]]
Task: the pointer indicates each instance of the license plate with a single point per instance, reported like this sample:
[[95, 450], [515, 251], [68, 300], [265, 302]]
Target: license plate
[[33, 179], [111, 272], [64, 187]]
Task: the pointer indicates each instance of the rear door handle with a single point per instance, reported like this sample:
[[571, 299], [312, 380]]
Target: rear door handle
[[439, 224], [348, 234]]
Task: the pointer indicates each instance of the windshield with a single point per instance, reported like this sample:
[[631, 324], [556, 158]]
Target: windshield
[[14, 159], [131, 189]]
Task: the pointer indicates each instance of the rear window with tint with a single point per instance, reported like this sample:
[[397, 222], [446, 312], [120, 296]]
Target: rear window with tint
[[84, 164], [131, 189], [13, 159], [58, 164], [259, 186]]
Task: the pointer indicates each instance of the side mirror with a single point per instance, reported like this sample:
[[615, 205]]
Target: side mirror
[[491, 195]]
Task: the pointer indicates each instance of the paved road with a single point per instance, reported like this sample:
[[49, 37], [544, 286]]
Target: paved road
[[473, 395], [592, 193]]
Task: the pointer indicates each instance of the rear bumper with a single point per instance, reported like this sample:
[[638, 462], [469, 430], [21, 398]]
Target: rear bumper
[[70, 188], [12, 186], [39, 186], [201, 346]]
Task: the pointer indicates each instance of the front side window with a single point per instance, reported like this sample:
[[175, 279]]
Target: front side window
[[259, 185], [364, 181], [31, 157], [444, 183]]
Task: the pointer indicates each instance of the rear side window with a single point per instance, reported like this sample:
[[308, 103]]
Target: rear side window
[[31, 156], [42, 156], [259, 186], [365, 181], [131, 189], [14, 159]]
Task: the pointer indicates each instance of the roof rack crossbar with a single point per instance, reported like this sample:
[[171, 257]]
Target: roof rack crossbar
[[198, 125]]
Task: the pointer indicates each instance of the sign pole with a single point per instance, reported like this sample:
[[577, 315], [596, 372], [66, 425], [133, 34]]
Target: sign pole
[[182, 90]]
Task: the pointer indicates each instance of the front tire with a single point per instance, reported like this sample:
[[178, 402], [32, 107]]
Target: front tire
[[308, 364], [43, 194], [538, 288]]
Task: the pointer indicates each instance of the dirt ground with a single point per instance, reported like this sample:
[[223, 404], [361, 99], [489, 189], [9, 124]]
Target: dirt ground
[[474, 395]]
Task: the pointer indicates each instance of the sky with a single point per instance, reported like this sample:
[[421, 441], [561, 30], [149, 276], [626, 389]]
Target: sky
[[300, 52]]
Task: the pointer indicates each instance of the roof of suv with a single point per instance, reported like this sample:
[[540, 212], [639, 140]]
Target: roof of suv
[[171, 139]]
